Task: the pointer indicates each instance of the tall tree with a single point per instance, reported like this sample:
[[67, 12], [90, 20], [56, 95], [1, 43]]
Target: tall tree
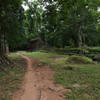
[[8, 18], [71, 20]]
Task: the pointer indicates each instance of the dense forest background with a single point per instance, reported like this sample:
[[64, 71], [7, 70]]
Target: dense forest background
[[40, 39], [58, 23]]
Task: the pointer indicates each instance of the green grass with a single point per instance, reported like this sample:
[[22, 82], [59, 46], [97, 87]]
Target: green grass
[[87, 77], [95, 48], [83, 80], [11, 80], [13, 55], [43, 56], [79, 59], [40, 54]]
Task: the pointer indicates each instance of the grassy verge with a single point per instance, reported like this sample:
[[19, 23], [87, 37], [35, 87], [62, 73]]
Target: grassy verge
[[43, 56], [83, 80], [11, 80]]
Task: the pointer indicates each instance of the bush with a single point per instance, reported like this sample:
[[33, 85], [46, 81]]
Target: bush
[[68, 50], [79, 60], [95, 50]]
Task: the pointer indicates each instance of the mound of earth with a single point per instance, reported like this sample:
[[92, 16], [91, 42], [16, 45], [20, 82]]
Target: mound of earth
[[79, 60]]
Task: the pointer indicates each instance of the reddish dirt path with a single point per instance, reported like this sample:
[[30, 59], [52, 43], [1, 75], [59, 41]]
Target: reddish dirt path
[[38, 83]]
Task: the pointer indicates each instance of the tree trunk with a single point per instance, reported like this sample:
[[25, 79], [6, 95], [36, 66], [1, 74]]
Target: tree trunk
[[3, 50], [80, 40]]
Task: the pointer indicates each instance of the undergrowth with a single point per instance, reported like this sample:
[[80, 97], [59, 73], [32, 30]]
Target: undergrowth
[[11, 78]]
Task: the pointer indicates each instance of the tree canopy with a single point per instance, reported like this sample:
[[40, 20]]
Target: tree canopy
[[58, 23]]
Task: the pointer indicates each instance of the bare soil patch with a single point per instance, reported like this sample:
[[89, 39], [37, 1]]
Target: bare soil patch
[[38, 83]]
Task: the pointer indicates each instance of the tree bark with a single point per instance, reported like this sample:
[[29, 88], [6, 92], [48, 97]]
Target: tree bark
[[80, 40], [3, 50]]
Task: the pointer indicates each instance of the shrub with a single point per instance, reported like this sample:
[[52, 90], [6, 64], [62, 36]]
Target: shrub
[[79, 60]]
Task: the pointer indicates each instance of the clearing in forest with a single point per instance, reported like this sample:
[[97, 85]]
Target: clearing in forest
[[38, 83]]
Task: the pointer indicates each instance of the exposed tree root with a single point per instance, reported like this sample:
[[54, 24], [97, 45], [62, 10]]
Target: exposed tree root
[[4, 60], [3, 70]]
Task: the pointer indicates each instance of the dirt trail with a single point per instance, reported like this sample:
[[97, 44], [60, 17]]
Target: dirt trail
[[38, 83]]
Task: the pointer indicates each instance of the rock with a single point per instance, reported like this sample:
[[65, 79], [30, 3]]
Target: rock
[[96, 58]]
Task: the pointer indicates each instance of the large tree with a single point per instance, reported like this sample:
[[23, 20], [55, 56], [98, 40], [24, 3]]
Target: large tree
[[71, 22], [9, 18]]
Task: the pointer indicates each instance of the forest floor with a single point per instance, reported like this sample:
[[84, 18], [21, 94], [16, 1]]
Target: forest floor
[[38, 83], [11, 78], [48, 76], [81, 81]]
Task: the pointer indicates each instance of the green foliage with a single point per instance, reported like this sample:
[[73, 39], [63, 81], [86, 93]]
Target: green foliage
[[74, 24], [33, 20], [94, 49], [58, 25], [79, 60], [11, 23]]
